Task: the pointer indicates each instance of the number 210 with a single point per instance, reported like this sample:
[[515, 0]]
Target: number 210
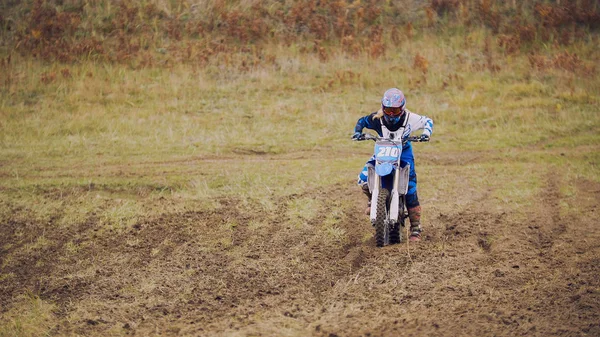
[[388, 151]]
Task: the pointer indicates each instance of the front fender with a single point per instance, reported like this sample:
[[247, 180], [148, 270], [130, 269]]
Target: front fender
[[384, 169]]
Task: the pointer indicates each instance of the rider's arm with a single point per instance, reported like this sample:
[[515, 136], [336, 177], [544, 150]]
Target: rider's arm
[[365, 122], [418, 122]]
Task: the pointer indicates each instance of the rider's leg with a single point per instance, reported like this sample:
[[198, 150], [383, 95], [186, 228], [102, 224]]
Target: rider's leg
[[414, 214], [414, 210], [412, 199], [362, 182], [367, 192]]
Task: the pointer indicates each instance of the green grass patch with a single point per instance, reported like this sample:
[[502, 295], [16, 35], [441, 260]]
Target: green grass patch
[[31, 316]]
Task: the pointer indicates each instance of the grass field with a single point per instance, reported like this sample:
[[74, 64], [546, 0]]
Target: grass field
[[221, 200]]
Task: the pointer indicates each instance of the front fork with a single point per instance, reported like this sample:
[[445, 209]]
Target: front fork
[[399, 189], [395, 203], [374, 181]]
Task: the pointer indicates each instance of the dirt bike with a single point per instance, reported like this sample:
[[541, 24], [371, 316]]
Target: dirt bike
[[388, 184]]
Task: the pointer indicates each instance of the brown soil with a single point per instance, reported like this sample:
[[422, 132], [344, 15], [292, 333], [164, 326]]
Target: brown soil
[[475, 273]]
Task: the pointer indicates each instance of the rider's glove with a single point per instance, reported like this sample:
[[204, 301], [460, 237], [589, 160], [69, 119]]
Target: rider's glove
[[424, 138], [356, 136]]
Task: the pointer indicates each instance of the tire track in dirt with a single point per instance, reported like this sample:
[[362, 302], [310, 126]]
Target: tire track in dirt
[[568, 247], [540, 287], [549, 224]]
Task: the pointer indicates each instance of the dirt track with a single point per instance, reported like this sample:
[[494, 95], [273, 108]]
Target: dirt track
[[475, 273]]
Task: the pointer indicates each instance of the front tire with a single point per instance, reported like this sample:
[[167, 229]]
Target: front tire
[[395, 234], [396, 230], [381, 224]]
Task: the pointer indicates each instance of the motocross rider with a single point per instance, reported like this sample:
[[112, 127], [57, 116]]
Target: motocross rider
[[392, 118]]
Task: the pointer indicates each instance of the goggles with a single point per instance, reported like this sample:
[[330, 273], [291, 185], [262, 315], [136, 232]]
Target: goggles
[[391, 111]]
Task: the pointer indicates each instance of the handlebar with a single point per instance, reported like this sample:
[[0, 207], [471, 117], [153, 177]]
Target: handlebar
[[368, 136]]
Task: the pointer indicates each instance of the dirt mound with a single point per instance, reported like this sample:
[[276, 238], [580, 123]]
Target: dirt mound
[[242, 271]]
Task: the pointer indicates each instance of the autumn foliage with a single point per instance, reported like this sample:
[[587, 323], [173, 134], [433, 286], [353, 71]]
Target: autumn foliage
[[151, 32]]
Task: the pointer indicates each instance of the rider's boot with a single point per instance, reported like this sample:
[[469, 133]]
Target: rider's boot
[[365, 189], [414, 215]]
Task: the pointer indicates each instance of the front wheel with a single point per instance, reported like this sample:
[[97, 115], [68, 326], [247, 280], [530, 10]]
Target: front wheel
[[381, 224], [396, 229]]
